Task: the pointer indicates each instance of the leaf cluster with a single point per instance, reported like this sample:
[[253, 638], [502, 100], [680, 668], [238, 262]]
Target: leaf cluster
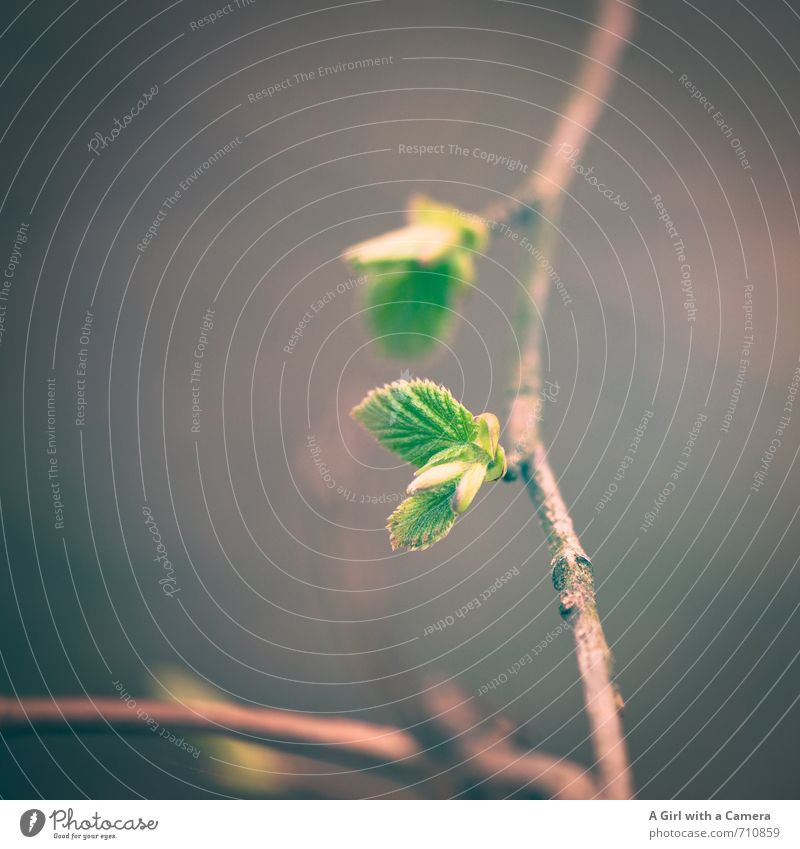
[[416, 275], [455, 453]]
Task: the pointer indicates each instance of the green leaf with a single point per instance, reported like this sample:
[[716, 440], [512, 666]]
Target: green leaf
[[416, 419], [469, 453], [422, 519], [416, 275], [410, 309]]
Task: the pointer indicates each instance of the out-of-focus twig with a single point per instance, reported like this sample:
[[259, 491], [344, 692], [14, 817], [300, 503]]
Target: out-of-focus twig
[[594, 81], [352, 743], [276, 727], [485, 750]]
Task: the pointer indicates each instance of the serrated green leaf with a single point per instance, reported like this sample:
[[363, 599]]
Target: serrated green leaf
[[422, 519], [470, 453], [416, 419]]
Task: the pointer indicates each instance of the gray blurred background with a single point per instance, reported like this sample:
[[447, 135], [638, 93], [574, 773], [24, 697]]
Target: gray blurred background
[[284, 591]]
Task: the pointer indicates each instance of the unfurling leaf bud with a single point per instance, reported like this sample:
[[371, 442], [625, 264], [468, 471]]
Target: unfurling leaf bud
[[468, 487], [436, 476], [455, 452], [498, 467], [488, 432]]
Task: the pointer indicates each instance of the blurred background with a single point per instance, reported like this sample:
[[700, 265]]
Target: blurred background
[[181, 346]]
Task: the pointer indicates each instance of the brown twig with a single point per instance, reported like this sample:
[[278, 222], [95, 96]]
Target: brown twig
[[573, 579], [571, 568]]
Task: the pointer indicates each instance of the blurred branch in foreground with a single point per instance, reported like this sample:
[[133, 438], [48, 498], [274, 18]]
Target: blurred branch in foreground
[[362, 746]]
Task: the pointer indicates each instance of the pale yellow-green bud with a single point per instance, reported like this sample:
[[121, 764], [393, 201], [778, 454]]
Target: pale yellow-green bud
[[436, 476], [468, 487], [498, 467], [488, 432]]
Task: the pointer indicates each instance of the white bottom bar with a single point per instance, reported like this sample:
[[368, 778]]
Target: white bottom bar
[[406, 825]]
